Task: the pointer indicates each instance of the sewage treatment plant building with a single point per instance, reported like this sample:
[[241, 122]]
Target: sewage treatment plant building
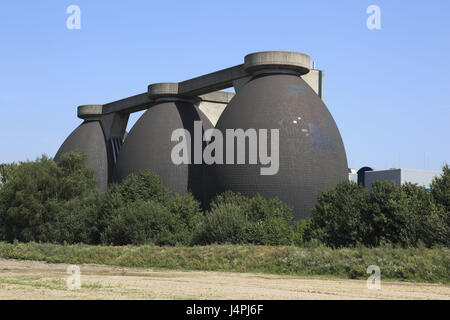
[[275, 90]]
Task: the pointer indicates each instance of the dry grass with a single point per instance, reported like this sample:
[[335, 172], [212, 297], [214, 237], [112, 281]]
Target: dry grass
[[412, 264], [20, 279]]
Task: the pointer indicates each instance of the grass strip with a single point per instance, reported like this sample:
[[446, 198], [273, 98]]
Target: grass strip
[[404, 264]]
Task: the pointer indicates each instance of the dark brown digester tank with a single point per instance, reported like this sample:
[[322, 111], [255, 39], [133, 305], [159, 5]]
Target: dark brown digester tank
[[311, 152], [148, 146], [89, 138]]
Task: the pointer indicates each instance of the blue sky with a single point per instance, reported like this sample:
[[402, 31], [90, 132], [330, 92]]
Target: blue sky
[[388, 89]]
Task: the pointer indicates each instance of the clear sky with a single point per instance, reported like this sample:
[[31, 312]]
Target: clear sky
[[388, 89]]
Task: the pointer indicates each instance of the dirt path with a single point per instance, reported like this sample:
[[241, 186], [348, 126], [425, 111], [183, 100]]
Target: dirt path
[[39, 280]]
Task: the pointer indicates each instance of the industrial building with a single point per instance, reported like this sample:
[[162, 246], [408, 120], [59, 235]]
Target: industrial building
[[366, 176], [401, 176], [275, 90]]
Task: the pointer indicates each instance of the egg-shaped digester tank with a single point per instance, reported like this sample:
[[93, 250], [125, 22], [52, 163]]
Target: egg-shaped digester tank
[[149, 146], [89, 138], [311, 152]]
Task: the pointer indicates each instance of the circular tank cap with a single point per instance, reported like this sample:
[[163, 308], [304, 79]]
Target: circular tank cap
[[163, 89], [295, 61], [90, 111], [168, 91]]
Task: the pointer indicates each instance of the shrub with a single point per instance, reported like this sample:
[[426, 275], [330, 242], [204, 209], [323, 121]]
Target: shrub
[[145, 186], [74, 178], [298, 232], [405, 215], [426, 217], [349, 215], [225, 223], [248, 220], [77, 220], [271, 222], [440, 188], [186, 209], [231, 198], [339, 217], [45, 201], [144, 222], [389, 217], [112, 200], [37, 192], [6, 172]]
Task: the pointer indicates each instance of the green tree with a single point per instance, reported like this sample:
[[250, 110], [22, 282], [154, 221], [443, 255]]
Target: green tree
[[36, 194], [349, 215], [74, 178], [144, 191], [186, 209], [234, 218], [77, 220], [146, 186], [427, 219], [339, 218], [271, 221], [440, 188], [225, 223], [391, 220], [6, 172], [26, 201], [144, 222]]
